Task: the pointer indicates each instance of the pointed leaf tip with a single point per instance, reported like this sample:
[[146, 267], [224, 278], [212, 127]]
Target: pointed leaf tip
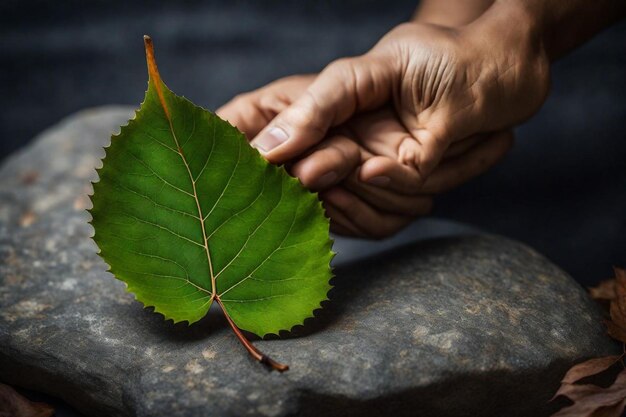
[[153, 71]]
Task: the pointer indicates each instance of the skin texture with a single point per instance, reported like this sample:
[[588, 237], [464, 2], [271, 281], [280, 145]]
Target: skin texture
[[366, 191], [427, 108], [451, 13]]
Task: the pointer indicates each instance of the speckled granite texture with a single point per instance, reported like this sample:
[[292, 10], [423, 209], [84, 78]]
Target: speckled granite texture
[[450, 327]]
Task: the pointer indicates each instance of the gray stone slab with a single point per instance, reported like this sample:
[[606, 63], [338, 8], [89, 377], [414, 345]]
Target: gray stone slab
[[458, 326]]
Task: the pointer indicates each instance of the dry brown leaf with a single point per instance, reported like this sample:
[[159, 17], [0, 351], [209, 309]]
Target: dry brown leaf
[[604, 291], [620, 297], [12, 404], [594, 401], [610, 411], [620, 278], [613, 293], [615, 331], [589, 368], [617, 325]]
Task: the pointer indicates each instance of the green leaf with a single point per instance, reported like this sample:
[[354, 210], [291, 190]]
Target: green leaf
[[187, 212]]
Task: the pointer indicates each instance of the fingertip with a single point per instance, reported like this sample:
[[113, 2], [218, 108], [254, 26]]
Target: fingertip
[[312, 176], [388, 173], [333, 97], [375, 167], [269, 139]]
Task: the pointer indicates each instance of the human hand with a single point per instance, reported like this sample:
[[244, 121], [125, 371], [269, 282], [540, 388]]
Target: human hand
[[445, 85], [366, 191]]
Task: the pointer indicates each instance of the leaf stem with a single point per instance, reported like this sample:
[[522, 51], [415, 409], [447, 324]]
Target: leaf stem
[[252, 350]]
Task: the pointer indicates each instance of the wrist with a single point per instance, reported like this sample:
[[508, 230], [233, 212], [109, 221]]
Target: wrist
[[513, 24], [450, 13], [508, 56], [555, 26]]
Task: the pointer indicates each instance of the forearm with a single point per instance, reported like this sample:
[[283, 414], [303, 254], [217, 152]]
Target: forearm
[[559, 25], [450, 13]]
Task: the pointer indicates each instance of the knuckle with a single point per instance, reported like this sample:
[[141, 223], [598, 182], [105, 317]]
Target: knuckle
[[303, 115], [341, 65], [346, 151], [273, 103], [296, 79], [306, 115], [242, 99]]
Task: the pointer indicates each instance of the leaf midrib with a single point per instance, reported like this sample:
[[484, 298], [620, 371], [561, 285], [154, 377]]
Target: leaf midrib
[[195, 196], [157, 84]]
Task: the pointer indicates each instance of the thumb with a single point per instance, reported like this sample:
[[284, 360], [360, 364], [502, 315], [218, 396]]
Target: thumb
[[344, 88]]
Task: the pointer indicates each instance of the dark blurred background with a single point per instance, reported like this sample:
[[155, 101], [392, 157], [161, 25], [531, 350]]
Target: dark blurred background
[[562, 189]]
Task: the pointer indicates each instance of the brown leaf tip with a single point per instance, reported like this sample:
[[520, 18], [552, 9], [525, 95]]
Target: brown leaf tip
[[153, 72]]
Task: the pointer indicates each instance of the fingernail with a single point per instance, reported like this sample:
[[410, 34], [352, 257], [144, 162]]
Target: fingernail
[[270, 139], [379, 181], [326, 179]]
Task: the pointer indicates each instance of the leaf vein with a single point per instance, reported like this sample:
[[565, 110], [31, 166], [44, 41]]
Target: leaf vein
[[251, 235], [251, 300], [152, 201], [160, 143], [239, 212], [141, 161], [265, 260], [232, 174], [147, 255], [206, 162], [163, 228]]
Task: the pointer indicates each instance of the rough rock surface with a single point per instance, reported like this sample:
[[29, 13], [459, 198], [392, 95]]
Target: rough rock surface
[[450, 327]]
